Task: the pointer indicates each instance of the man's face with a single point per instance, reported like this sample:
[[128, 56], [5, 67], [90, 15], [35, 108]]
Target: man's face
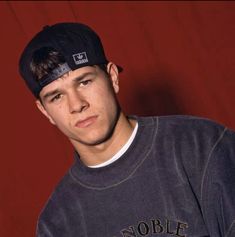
[[82, 104]]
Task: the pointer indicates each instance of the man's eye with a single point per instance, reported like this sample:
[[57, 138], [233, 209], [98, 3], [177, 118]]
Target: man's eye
[[57, 97], [85, 83]]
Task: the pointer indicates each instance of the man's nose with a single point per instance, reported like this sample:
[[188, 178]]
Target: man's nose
[[76, 102]]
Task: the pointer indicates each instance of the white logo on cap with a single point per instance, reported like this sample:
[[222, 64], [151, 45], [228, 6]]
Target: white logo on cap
[[80, 58]]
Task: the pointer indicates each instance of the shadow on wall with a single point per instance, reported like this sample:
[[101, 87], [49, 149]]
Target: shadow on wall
[[157, 96]]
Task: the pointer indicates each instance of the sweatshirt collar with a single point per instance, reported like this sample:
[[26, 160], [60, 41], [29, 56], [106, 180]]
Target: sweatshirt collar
[[125, 167]]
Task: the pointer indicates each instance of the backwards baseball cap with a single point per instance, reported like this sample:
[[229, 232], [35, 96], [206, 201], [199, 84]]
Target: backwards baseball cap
[[77, 43]]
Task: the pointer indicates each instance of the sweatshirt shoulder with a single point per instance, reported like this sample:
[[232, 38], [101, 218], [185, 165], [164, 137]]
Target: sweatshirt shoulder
[[179, 120], [186, 124], [183, 127], [189, 120], [54, 219], [61, 196]]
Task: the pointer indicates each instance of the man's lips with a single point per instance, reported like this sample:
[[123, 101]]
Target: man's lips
[[86, 122]]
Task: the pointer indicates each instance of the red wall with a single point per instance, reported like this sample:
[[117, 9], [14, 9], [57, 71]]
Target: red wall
[[179, 58]]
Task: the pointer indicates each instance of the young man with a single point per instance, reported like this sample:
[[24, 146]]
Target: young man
[[133, 176]]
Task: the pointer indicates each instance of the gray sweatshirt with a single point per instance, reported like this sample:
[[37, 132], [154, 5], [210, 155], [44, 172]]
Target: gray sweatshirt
[[176, 179]]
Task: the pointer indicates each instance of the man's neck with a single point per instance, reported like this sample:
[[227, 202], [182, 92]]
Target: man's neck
[[94, 155]]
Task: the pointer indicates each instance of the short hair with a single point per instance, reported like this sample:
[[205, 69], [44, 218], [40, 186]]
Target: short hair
[[46, 59]]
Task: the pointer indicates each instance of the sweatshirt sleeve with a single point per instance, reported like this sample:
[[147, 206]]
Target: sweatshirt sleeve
[[218, 187]]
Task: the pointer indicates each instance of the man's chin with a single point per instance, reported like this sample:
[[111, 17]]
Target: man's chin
[[91, 141]]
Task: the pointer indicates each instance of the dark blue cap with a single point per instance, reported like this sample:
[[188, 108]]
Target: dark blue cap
[[76, 42]]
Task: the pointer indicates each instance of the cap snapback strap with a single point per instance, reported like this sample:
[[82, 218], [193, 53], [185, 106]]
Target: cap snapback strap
[[54, 74]]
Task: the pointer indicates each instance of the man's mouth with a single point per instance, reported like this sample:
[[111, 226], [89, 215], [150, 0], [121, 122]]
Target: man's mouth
[[86, 122]]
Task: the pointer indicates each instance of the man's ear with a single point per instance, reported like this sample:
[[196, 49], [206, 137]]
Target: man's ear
[[113, 73], [44, 112]]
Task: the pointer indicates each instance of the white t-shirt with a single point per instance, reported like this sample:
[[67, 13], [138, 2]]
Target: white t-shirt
[[120, 152]]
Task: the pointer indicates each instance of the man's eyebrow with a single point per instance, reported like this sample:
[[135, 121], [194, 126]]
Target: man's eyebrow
[[76, 79], [81, 77], [50, 93]]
